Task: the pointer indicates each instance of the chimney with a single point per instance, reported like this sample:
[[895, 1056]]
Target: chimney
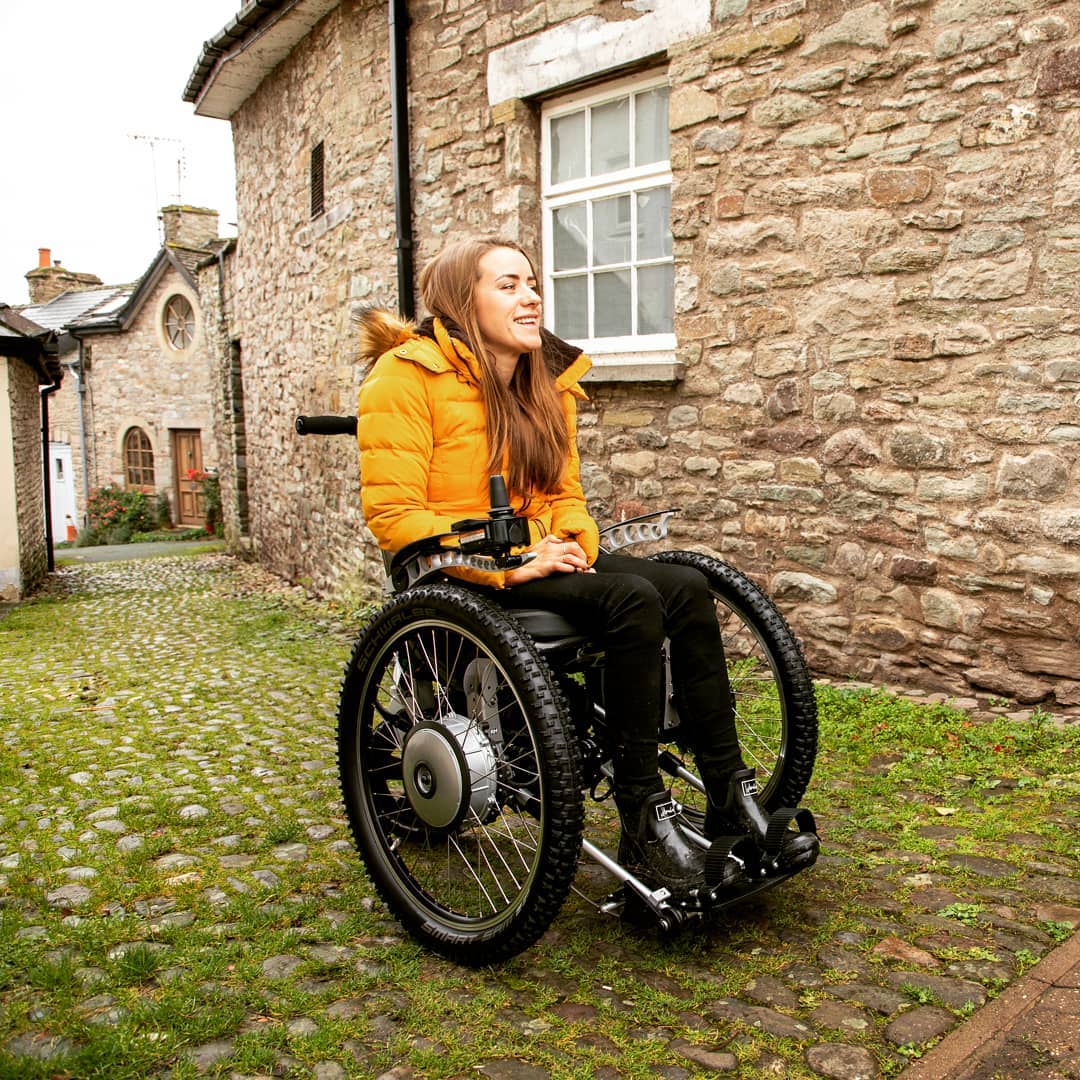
[[49, 280], [189, 226]]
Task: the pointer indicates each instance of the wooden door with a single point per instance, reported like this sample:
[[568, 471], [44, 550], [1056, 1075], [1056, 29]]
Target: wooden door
[[187, 462]]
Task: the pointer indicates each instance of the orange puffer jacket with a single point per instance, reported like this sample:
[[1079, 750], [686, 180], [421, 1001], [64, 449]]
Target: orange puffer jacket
[[423, 440]]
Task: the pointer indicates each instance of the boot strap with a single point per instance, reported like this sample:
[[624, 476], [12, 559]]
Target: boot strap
[[741, 848], [778, 826]]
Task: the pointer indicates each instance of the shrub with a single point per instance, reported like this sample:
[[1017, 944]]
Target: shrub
[[114, 514], [210, 489]]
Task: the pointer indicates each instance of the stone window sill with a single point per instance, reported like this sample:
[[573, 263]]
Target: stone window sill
[[636, 368], [324, 223]]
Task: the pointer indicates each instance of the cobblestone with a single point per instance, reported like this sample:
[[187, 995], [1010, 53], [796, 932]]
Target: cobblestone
[[178, 889]]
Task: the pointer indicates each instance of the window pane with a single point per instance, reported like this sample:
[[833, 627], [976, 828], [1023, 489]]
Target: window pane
[[570, 234], [611, 230], [568, 147], [656, 297], [651, 126], [612, 304], [654, 223], [611, 136], [138, 459], [571, 307]]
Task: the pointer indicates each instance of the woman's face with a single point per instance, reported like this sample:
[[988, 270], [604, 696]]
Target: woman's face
[[507, 305]]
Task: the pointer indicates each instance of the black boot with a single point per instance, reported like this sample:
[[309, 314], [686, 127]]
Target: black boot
[[654, 847], [780, 846]]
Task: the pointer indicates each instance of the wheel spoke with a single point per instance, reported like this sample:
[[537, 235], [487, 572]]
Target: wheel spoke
[[493, 873], [466, 862]]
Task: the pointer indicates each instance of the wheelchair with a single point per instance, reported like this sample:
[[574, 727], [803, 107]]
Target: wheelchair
[[471, 738]]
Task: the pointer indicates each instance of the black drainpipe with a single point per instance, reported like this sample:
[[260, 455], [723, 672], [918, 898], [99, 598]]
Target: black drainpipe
[[399, 127], [46, 459]]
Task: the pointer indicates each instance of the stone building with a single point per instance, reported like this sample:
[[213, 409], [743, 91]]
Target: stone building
[[29, 375], [825, 254], [137, 409]]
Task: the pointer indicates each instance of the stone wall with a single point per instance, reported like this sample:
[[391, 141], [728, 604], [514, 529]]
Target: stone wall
[[876, 209], [50, 281], [217, 283], [214, 302], [25, 555], [874, 212], [294, 282]]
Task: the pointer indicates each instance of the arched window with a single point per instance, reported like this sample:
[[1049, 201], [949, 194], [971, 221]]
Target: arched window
[[138, 460], [179, 322]]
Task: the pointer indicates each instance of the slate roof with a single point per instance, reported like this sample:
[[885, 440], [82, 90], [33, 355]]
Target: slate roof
[[15, 324], [119, 315], [114, 307], [69, 307]]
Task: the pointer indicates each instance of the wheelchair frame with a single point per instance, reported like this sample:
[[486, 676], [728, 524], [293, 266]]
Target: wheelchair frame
[[468, 736]]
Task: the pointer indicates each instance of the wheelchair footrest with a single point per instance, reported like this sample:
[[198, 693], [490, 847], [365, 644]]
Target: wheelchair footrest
[[736, 894], [627, 904]]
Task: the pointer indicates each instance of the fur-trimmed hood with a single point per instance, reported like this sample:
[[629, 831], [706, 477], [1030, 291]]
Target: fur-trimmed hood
[[380, 331]]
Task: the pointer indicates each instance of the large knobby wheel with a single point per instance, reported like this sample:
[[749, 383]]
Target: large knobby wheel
[[775, 709], [460, 782]]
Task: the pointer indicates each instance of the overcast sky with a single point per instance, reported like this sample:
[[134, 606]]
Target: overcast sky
[[78, 79]]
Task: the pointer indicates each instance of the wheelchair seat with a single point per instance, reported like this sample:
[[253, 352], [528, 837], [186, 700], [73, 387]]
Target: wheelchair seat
[[546, 626]]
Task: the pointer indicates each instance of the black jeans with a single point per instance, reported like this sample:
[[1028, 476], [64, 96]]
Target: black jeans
[[630, 605]]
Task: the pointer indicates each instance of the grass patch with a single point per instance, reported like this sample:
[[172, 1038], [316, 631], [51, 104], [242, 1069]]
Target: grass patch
[[923, 765]]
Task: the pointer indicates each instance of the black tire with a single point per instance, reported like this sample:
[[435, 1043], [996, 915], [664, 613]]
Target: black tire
[[775, 708], [460, 780]]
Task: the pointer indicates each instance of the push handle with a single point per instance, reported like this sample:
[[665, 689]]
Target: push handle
[[326, 425]]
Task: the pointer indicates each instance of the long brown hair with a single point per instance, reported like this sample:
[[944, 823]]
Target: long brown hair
[[524, 419]]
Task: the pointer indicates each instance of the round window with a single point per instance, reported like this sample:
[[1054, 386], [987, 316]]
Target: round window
[[179, 322]]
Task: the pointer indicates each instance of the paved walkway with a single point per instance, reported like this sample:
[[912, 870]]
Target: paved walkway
[[126, 552], [1031, 1030], [179, 894]]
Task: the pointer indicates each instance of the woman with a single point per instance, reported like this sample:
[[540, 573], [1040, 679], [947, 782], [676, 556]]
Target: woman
[[481, 388]]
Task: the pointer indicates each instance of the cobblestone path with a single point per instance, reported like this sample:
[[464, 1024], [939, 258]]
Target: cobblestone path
[[179, 895]]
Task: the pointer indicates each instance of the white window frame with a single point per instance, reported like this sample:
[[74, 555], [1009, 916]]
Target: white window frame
[[630, 350]]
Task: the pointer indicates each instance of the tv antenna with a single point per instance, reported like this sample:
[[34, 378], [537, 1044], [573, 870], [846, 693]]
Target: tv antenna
[[153, 141]]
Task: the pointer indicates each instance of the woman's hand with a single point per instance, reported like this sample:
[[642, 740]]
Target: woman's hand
[[553, 556]]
